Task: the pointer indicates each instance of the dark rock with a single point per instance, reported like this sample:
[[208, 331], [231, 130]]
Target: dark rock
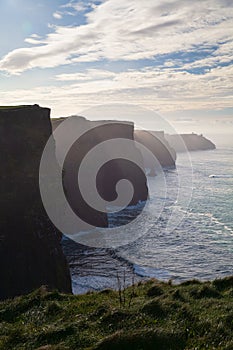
[[155, 142], [190, 142], [110, 173], [30, 250]]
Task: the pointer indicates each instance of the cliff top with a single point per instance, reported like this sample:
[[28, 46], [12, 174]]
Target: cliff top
[[97, 121], [19, 107]]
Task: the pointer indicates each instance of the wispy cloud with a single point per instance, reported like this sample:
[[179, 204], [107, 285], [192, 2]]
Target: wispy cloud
[[131, 30], [164, 91], [57, 15], [168, 55], [89, 75], [167, 84], [77, 6]]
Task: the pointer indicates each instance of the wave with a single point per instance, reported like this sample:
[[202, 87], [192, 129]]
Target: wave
[[151, 272], [212, 218], [221, 176]]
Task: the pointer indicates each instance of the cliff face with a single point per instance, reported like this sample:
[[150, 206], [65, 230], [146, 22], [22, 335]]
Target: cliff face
[[30, 251], [160, 148], [190, 142], [109, 174]]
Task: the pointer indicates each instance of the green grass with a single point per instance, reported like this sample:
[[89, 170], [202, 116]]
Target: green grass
[[152, 315], [13, 107]]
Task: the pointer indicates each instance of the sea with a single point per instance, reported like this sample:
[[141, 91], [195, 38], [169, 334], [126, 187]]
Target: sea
[[186, 231]]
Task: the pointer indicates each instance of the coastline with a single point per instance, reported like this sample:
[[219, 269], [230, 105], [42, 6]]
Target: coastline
[[96, 269]]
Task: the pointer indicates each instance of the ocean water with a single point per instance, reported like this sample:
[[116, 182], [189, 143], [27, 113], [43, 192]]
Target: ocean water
[[200, 245]]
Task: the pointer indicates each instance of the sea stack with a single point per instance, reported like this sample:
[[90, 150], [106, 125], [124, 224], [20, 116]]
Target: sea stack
[[30, 250]]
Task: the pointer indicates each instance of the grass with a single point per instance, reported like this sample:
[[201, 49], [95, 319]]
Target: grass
[[13, 107], [154, 315]]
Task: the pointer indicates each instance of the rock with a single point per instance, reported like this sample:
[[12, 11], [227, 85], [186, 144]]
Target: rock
[[30, 250], [109, 174], [160, 148], [190, 142]]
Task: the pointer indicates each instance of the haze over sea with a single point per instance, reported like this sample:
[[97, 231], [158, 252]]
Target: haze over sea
[[200, 247]]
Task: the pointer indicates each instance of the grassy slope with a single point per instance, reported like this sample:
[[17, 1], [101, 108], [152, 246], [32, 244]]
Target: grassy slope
[[160, 316]]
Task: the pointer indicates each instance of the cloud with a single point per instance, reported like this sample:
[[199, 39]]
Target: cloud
[[34, 39], [57, 15], [130, 30], [190, 44], [157, 27], [90, 75], [163, 90], [35, 36], [77, 6], [168, 86]]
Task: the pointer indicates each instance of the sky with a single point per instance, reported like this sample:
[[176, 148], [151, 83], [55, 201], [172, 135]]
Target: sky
[[174, 57]]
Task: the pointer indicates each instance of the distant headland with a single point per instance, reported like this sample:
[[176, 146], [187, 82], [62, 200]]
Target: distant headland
[[189, 142]]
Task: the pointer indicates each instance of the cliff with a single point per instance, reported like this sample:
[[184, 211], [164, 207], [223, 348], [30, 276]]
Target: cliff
[[30, 250], [190, 142], [109, 174], [155, 142]]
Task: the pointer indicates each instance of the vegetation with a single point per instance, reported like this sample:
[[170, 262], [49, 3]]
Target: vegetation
[[151, 315], [13, 107]]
